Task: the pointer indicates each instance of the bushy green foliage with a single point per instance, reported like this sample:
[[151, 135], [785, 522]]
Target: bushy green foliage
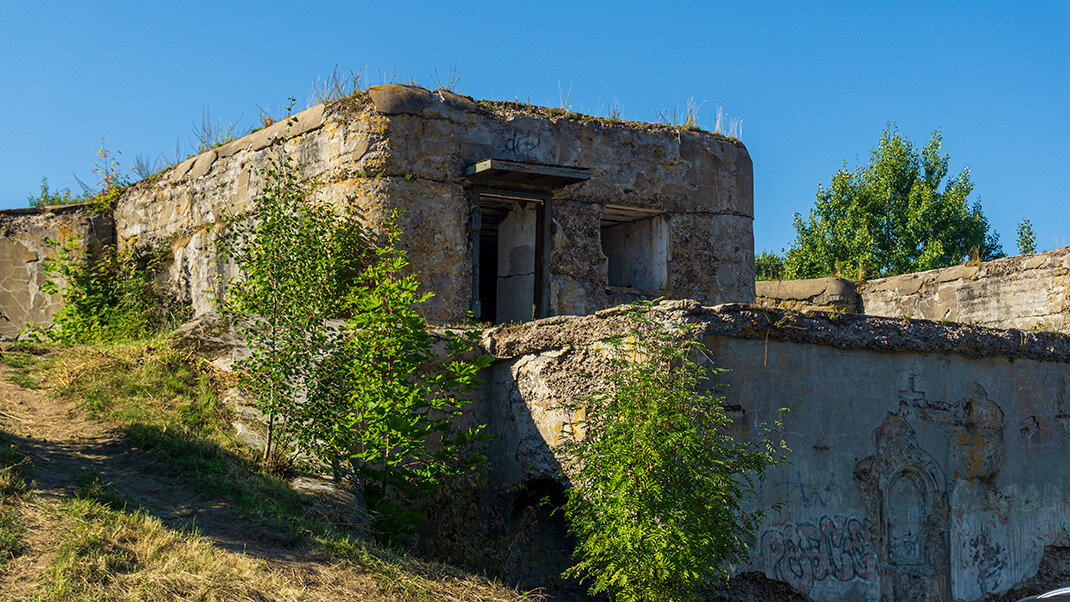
[[367, 392], [768, 266], [890, 217], [112, 181], [49, 197], [385, 403], [656, 499], [102, 199], [1027, 240], [107, 295]]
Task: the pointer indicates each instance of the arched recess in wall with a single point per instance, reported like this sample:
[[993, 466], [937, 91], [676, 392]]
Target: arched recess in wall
[[906, 505], [903, 489]]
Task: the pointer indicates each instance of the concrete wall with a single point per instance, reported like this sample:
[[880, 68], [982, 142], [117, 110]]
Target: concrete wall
[[23, 249], [1026, 292], [927, 462], [836, 294], [403, 148], [516, 266]]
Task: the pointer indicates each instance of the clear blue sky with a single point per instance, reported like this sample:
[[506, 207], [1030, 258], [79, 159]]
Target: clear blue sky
[[814, 83]]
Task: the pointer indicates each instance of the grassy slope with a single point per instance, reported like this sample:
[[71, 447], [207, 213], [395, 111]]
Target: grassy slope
[[96, 545]]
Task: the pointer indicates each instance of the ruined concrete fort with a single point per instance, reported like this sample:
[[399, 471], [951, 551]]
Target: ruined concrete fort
[[929, 413]]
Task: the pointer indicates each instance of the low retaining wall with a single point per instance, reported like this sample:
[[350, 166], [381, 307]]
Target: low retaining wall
[[928, 459], [834, 294], [23, 248], [1027, 292]]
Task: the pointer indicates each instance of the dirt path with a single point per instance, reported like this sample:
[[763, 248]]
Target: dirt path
[[63, 449]]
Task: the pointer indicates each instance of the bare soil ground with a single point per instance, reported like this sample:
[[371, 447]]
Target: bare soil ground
[[64, 448]]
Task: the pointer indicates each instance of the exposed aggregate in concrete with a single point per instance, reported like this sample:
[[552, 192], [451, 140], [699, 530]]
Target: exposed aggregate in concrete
[[832, 329]]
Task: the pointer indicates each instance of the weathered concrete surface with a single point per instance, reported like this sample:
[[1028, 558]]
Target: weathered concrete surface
[[928, 459], [24, 247], [833, 293], [1027, 292], [403, 148]]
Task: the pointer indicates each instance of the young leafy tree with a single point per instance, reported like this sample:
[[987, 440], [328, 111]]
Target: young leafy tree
[[49, 197], [384, 403], [1027, 240], [890, 217], [290, 249], [656, 503], [368, 392], [107, 294], [768, 266]]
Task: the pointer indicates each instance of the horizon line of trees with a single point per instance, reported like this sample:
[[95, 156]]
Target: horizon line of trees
[[899, 213]]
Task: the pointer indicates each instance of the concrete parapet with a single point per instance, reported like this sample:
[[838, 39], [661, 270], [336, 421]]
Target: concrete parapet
[[833, 293], [1029, 292], [927, 459]]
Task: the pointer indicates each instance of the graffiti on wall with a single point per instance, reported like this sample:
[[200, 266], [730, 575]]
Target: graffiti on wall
[[522, 145], [990, 560], [802, 554]]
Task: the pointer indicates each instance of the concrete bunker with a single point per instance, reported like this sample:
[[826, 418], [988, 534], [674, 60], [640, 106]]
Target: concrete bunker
[[506, 211]]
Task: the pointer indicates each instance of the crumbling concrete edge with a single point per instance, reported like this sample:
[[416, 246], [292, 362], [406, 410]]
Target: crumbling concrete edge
[[830, 329]]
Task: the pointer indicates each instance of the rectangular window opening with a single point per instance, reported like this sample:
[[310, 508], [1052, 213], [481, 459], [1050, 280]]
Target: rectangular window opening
[[636, 246]]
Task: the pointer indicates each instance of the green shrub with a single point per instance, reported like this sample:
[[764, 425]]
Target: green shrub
[[656, 503], [1027, 239], [48, 197], [382, 401], [768, 266], [107, 295], [370, 400]]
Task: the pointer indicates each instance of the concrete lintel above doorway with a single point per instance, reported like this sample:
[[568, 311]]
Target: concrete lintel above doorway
[[501, 173]]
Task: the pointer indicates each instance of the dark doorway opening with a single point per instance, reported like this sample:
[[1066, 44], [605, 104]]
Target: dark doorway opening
[[508, 266], [511, 223], [488, 271]]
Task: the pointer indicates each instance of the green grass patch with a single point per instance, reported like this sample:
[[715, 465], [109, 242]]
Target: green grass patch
[[109, 554], [25, 360], [165, 403], [133, 381], [231, 476], [12, 485], [92, 487], [24, 380]]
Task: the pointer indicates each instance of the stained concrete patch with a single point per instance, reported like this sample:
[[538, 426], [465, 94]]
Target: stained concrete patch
[[27, 242], [824, 293], [179, 171], [391, 99], [308, 120]]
